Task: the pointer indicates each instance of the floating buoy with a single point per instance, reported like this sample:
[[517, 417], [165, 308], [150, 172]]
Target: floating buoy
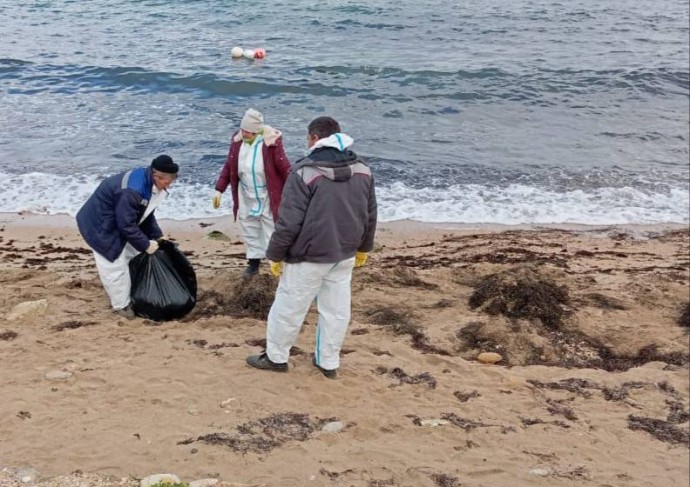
[[259, 53], [249, 53], [237, 51]]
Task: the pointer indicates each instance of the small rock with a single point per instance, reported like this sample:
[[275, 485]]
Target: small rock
[[333, 427], [433, 422], [36, 308], [159, 478], [489, 357], [58, 375], [204, 483], [541, 472], [227, 402], [193, 411]]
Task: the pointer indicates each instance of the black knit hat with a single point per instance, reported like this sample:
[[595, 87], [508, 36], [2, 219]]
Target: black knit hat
[[164, 163]]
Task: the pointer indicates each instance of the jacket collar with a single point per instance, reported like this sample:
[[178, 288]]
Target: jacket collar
[[270, 134]]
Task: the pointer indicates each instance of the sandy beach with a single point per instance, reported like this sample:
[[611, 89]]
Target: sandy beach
[[592, 387]]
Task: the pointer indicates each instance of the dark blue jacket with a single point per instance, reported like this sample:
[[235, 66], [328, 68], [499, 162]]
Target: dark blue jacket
[[110, 217]]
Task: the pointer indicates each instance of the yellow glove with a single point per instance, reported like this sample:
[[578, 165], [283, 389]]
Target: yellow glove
[[216, 200], [361, 259], [276, 268]]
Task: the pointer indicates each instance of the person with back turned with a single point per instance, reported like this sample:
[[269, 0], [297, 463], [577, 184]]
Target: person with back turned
[[326, 226]]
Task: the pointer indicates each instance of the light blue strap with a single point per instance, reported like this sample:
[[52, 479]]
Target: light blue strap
[[340, 142]]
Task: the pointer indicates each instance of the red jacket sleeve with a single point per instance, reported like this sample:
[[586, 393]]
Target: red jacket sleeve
[[224, 178]]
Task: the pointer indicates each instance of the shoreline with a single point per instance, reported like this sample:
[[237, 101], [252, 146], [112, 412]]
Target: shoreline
[[225, 224]]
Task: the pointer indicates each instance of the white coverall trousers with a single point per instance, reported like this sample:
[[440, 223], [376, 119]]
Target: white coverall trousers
[[299, 285], [256, 219], [115, 276], [256, 233]]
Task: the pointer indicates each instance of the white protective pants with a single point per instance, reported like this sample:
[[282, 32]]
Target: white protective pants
[[115, 276], [256, 232], [299, 285]]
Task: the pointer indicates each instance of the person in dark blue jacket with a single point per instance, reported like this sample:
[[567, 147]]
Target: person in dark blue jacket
[[118, 223]]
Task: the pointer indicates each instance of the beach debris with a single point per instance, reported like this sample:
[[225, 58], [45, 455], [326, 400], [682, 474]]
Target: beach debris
[[239, 52], [466, 396], [445, 480], [532, 421], [660, 429], [227, 402], [604, 302], [405, 276], [421, 342], [489, 358], [442, 303], [28, 308], [72, 325], [396, 316], [540, 472], [433, 422], [217, 235], [25, 475], [464, 423], [8, 335], [518, 255], [522, 292], [556, 408], [404, 378], [248, 298], [255, 297], [24, 415], [159, 479], [333, 427], [400, 276], [58, 375], [265, 434]]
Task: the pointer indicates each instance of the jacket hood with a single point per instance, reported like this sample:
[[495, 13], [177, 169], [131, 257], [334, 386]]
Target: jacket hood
[[271, 135], [337, 141], [331, 158]]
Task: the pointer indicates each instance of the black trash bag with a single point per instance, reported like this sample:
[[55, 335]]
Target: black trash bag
[[163, 284]]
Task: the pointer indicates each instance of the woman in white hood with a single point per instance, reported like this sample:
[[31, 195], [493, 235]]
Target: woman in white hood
[[255, 170]]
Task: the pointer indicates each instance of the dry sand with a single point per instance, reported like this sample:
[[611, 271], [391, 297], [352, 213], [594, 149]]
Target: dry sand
[[593, 388]]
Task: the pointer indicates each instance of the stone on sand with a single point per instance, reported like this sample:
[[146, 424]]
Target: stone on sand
[[489, 357], [33, 308], [159, 478], [58, 375], [333, 427]]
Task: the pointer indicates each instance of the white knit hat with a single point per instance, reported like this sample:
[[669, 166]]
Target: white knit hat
[[253, 121]]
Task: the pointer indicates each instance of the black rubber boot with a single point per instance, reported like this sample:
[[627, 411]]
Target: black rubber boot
[[253, 267], [264, 363]]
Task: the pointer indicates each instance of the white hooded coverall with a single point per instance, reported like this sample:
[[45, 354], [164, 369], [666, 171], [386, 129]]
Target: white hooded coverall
[[254, 215]]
